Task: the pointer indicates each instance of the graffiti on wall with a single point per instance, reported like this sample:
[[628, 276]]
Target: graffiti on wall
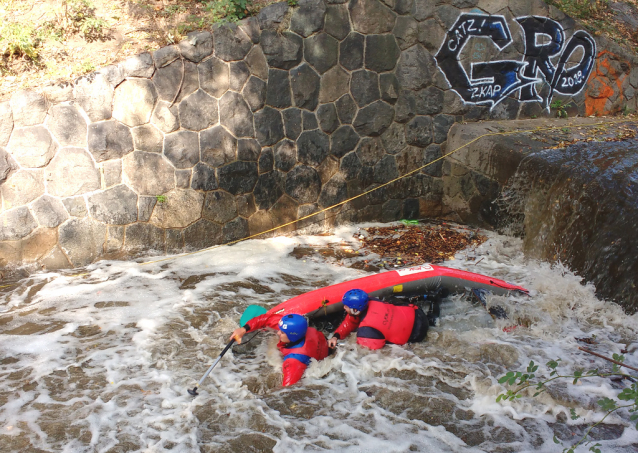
[[564, 65]]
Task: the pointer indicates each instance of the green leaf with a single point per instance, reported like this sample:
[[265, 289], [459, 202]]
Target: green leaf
[[633, 417], [499, 398], [607, 404], [530, 366], [553, 363], [536, 394], [556, 441], [573, 413], [618, 358], [506, 378]]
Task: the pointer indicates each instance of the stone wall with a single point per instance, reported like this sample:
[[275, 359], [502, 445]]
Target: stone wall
[[256, 124]]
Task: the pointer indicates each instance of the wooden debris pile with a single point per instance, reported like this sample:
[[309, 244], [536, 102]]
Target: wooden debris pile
[[407, 245]]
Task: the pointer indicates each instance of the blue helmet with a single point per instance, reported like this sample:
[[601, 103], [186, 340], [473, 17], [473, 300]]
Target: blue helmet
[[294, 326], [356, 299]]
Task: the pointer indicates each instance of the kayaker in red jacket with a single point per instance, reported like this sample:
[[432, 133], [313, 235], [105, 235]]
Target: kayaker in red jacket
[[379, 322], [297, 342]]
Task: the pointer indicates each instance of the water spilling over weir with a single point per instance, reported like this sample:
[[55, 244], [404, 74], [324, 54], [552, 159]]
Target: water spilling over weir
[[101, 362], [579, 205]]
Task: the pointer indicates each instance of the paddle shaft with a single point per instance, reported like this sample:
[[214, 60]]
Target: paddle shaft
[[230, 343]]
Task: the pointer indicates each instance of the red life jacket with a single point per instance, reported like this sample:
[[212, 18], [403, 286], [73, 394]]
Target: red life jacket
[[394, 322], [315, 346]]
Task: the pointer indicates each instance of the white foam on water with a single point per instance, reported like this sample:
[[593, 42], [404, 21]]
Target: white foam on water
[[103, 360]]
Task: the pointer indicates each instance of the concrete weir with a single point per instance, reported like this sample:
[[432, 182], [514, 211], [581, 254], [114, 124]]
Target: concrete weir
[[248, 126]]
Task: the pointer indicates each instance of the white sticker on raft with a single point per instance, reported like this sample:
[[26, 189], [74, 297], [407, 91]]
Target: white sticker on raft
[[415, 270]]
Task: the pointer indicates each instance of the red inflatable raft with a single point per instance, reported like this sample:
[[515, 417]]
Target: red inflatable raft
[[411, 281]]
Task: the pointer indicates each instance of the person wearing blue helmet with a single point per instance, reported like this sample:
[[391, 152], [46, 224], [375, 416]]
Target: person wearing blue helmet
[[379, 322], [298, 342]]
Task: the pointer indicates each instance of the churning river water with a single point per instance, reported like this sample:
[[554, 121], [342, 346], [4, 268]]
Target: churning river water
[[101, 362]]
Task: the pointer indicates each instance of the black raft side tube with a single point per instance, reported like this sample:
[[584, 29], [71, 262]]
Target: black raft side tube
[[422, 286]]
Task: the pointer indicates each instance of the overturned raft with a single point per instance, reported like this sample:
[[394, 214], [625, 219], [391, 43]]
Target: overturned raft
[[413, 281]]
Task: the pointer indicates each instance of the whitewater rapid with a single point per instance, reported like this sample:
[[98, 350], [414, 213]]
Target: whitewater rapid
[[100, 362]]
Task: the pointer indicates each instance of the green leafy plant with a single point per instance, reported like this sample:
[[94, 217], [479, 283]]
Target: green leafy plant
[[18, 39], [161, 198], [79, 17], [529, 380], [560, 108], [227, 10]]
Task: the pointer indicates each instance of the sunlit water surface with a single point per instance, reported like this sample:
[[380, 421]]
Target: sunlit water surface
[[101, 362]]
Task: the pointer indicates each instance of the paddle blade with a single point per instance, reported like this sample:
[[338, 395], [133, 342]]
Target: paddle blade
[[252, 311]]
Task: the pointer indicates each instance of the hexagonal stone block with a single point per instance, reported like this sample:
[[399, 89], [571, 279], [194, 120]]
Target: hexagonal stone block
[[238, 177], [148, 138], [386, 169], [405, 107], [49, 211], [196, 46], [16, 224], [415, 68], [334, 191], [309, 120], [181, 208], [94, 93], [67, 125], [257, 63], [337, 22], [266, 160], [374, 119], [165, 56], [254, 93], [382, 52], [343, 141], [333, 85], [148, 173], [133, 102], [370, 150], [204, 178], [442, 124], [235, 229], [350, 165], [112, 172], [292, 122], [165, 117], [114, 206], [406, 31], [422, 9], [82, 240], [29, 108], [144, 237], [170, 78], [182, 149], [72, 172], [6, 122], [313, 147], [282, 51], [250, 26], [235, 115], [346, 109], [394, 138], [269, 127], [75, 206], [231, 43], [22, 187], [365, 87], [321, 51], [198, 111], [145, 207], [278, 90], [371, 17], [214, 76], [7, 165], [285, 153], [32, 147], [308, 18], [328, 119], [268, 189], [218, 147], [389, 87], [239, 74], [351, 51], [419, 131], [248, 149], [109, 140], [183, 177], [202, 234], [305, 87], [303, 184], [272, 15], [141, 65], [220, 207]]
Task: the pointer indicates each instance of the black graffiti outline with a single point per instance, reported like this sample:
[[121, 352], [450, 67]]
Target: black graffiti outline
[[576, 76], [493, 27], [495, 80]]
